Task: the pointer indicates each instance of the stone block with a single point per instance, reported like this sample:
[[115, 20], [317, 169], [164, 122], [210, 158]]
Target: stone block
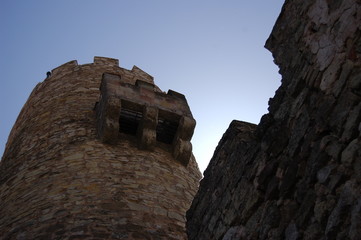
[[147, 130], [106, 61], [108, 113], [351, 152], [186, 128], [182, 151]]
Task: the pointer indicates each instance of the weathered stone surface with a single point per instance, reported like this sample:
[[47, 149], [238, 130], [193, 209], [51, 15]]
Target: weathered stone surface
[[59, 181], [297, 175], [205, 221], [141, 109]]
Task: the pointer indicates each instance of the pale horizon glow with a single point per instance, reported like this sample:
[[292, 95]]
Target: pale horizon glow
[[210, 51]]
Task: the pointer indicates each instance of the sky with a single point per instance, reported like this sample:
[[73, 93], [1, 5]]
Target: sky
[[211, 51]]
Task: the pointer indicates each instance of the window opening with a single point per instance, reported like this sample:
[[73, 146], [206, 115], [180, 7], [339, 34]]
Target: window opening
[[166, 130], [129, 119]]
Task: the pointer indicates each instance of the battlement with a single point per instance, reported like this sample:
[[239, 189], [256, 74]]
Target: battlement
[[143, 75], [106, 61], [65, 67], [141, 111], [103, 62]]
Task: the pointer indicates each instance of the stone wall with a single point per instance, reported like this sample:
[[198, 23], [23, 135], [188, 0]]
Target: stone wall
[[59, 181], [297, 175]]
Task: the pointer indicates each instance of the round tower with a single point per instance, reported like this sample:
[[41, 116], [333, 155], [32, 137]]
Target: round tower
[[98, 152]]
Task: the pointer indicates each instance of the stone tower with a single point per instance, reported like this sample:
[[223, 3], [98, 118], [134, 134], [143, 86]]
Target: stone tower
[[98, 152]]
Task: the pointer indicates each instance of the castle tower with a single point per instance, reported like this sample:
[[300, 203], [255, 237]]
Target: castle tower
[[98, 152]]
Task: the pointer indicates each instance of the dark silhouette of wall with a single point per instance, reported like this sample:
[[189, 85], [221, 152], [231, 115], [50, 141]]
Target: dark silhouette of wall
[[297, 174]]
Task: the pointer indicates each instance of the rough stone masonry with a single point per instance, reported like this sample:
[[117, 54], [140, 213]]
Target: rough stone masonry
[[297, 175], [60, 178]]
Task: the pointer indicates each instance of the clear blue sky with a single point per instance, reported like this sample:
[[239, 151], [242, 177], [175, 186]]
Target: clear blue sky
[[209, 50]]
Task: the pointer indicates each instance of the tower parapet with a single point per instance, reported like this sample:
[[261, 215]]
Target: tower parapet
[[151, 116]]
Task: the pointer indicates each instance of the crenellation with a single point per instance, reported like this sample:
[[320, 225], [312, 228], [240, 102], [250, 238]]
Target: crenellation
[[106, 61], [142, 75], [176, 94], [64, 68]]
